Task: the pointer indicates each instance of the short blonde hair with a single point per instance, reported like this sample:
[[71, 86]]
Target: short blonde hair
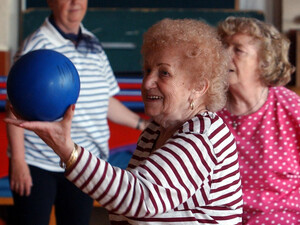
[[274, 65], [204, 55]]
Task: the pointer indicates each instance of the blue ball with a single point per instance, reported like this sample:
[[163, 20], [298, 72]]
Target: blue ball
[[42, 84]]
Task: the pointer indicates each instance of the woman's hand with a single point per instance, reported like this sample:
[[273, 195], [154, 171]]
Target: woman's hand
[[55, 134], [20, 178]]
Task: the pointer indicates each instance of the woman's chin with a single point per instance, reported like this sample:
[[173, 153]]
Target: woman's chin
[[151, 111]]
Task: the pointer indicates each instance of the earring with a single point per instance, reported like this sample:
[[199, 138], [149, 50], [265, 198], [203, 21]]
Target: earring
[[192, 105]]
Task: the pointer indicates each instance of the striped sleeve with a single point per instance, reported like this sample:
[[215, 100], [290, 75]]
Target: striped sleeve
[[168, 177]]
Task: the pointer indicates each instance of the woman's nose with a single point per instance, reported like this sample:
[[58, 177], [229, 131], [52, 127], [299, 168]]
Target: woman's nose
[[149, 81], [230, 51]]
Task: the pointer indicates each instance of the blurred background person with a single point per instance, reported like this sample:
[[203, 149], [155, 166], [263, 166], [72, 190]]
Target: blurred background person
[[36, 179], [185, 168], [264, 117]]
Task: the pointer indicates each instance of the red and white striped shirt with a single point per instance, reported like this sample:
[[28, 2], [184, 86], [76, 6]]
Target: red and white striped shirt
[[193, 179]]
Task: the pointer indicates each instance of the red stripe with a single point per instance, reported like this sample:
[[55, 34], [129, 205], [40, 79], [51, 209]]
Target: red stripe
[[130, 86], [226, 167], [233, 153], [174, 169], [199, 151], [132, 197], [123, 199], [3, 97], [191, 126], [142, 197], [152, 199], [91, 176], [158, 183], [238, 200], [201, 120], [227, 195], [168, 192], [203, 194], [106, 191], [129, 98], [230, 144], [201, 123], [118, 190], [83, 169], [225, 187], [227, 176], [208, 149], [170, 182], [217, 130], [221, 140], [192, 161], [100, 181]]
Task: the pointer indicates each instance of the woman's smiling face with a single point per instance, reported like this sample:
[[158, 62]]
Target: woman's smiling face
[[166, 86]]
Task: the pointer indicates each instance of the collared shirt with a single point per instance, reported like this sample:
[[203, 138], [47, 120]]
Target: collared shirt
[[75, 38], [97, 83]]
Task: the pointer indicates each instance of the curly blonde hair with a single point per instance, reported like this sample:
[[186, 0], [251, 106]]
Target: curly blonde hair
[[274, 65], [203, 54]]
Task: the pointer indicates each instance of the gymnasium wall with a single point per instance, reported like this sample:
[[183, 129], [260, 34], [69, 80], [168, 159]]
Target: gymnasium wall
[[120, 30]]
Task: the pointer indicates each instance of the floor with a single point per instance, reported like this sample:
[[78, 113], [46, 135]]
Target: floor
[[99, 216]]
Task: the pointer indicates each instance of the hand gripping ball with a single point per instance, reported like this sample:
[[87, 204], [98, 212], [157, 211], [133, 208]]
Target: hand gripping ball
[[42, 84]]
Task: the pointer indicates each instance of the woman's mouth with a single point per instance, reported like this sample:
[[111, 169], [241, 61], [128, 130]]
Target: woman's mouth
[[154, 97]]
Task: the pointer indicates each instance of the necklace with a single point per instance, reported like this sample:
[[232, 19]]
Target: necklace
[[252, 109]]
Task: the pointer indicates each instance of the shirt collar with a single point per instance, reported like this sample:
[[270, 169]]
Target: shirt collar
[[70, 36]]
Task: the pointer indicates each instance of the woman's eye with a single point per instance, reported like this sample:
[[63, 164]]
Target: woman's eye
[[238, 50], [146, 72], [164, 73]]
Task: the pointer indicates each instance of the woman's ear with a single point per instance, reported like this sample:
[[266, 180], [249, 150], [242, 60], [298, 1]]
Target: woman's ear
[[201, 89]]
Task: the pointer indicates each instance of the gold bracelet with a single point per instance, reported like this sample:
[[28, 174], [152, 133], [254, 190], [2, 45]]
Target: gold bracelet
[[71, 160]]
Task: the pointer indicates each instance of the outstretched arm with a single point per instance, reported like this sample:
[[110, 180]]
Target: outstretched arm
[[118, 113], [20, 178]]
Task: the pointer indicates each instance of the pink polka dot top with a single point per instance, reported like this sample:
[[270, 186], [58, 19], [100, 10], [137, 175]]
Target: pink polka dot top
[[268, 143]]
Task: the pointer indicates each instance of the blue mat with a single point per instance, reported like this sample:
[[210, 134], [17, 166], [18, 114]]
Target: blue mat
[[4, 187], [121, 156]]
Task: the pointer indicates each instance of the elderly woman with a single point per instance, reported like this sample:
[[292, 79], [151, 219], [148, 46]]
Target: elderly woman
[[264, 118], [185, 168]]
